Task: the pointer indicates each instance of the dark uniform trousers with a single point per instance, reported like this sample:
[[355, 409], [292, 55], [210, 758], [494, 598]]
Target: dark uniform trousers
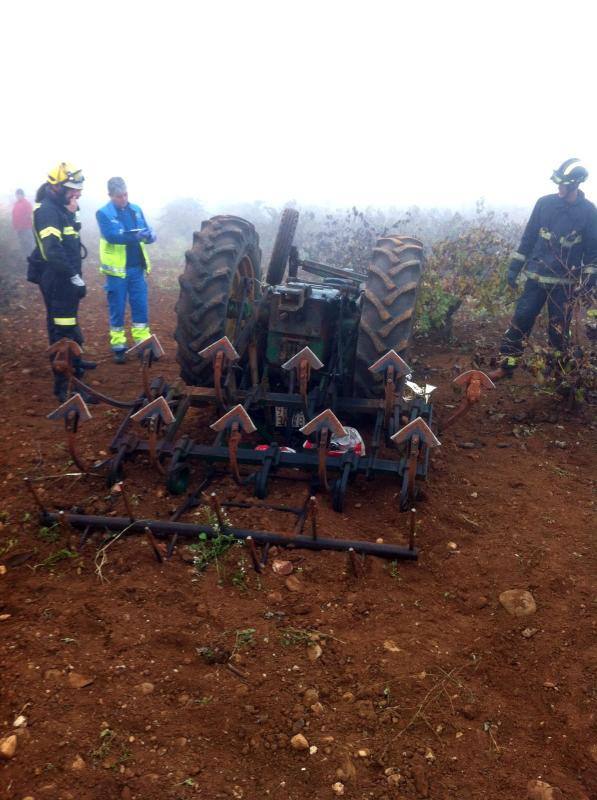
[[535, 295]]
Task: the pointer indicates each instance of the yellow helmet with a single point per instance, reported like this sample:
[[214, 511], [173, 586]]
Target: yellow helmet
[[66, 174]]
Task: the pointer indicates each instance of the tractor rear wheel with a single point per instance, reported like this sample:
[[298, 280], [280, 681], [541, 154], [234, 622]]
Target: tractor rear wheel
[[282, 245], [224, 252], [389, 303]]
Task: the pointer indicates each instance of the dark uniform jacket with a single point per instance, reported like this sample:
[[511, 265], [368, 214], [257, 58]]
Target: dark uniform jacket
[[57, 238], [559, 238]]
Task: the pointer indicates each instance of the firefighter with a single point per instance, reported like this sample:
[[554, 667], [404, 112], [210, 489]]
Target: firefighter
[[124, 260], [558, 252], [56, 263]]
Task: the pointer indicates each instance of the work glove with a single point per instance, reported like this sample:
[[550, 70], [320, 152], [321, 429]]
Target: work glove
[[513, 273], [78, 282]]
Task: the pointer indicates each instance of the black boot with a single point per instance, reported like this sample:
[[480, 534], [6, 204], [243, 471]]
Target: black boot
[[120, 356]]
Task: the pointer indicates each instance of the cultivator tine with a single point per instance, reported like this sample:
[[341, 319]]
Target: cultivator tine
[[313, 509], [73, 411], [34, 493], [325, 425], [474, 381], [412, 528], [303, 362], [148, 351], [354, 565], [250, 542], [156, 413], [393, 368], [235, 421], [119, 488], [220, 353], [83, 538], [416, 432], [212, 501], [159, 548], [63, 352]]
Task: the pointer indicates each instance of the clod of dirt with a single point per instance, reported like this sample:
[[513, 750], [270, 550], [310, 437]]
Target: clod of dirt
[[528, 633], [4, 617], [78, 764], [3, 569], [317, 709], [394, 779], [364, 753], [338, 788], [52, 674], [452, 547], [274, 597], [293, 584], [314, 651], [347, 772], [518, 602], [8, 747], [469, 711], [540, 790], [145, 688], [77, 681], [298, 742], [310, 696], [281, 567], [20, 722]]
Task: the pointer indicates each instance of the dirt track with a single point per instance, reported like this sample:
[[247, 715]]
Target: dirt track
[[425, 687]]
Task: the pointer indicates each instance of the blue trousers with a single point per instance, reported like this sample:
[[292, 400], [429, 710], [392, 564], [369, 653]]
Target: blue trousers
[[133, 286]]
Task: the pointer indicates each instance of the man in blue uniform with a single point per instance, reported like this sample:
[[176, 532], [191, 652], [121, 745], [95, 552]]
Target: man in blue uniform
[[558, 251], [124, 260]]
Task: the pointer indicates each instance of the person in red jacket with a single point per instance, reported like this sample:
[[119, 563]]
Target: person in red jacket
[[22, 222]]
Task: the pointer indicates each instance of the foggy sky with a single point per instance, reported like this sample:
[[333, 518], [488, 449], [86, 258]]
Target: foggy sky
[[326, 102]]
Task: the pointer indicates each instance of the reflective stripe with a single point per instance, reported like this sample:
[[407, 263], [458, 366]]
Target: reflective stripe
[[590, 269], [117, 338], [69, 231], [65, 321], [113, 258], [516, 256], [50, 231], [565, 241], [512, 361], [592, 312], [534, 276], [140, 331]]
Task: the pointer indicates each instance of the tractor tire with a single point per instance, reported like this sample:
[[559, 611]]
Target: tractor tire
[[389, 301], [282, 245], [226, 248]]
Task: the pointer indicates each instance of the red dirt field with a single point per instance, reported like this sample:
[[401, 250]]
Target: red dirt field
[[411, 681]]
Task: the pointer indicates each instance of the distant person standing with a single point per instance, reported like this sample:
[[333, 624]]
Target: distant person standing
[[22, 222], [124, 260]]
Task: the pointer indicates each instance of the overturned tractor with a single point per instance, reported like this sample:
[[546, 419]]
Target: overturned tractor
[[307, 381]]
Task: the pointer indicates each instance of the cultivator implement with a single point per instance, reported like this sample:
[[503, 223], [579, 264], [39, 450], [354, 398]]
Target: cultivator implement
[[288, 389]]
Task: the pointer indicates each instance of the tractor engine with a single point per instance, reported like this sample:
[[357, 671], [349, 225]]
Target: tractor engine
[[323, 317]]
